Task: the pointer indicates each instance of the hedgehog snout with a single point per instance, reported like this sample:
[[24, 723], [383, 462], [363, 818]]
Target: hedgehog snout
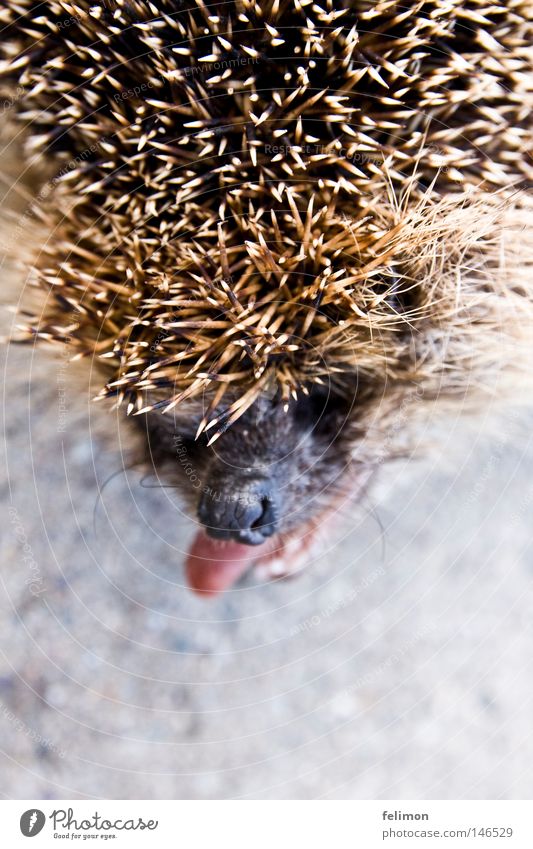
[[244, 510]]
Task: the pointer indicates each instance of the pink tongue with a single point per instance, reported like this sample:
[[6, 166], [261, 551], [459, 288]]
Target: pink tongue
[[213, 566]]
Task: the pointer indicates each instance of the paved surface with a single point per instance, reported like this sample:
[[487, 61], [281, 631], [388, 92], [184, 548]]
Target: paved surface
[[399, 665]]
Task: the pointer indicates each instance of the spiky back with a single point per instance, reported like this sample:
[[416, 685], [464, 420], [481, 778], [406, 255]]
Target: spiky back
[[248, 193]]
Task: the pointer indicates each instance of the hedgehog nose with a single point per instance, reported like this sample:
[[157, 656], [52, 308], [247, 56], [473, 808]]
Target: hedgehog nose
[[247, 514]]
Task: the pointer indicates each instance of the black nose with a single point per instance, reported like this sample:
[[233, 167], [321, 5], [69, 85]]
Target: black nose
[[245, 512]]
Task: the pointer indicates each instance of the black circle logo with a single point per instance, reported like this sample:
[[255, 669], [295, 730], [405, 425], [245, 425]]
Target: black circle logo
[[32, 822]]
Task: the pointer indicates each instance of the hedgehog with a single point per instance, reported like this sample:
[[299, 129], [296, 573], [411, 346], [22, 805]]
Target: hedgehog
[[284, 232]]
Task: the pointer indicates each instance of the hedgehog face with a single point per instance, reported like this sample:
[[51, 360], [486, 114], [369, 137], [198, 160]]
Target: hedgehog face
[[270, 472], [261, 490]]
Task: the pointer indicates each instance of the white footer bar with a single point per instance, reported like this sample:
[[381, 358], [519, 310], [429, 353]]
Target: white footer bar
[[268, 824]]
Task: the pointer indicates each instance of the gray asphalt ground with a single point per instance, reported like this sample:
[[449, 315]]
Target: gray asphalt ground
[[399, 665]]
